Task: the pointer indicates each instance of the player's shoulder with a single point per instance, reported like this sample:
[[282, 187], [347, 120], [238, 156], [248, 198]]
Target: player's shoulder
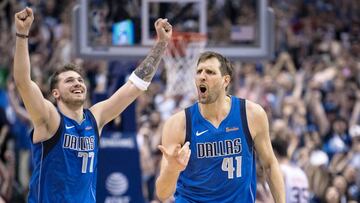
[[256, 118], [176, 120], [255, 109], [174, 128]]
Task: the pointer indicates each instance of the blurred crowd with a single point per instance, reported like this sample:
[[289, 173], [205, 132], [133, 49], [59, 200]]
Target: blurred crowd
[[310, 91]]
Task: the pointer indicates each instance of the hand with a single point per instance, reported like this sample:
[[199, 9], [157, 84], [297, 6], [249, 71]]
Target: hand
[[23, 21], [163, 29], [179, 158]]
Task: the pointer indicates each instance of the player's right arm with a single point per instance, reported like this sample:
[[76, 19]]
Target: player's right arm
[[42, 112], [259, 130], [176, 155]]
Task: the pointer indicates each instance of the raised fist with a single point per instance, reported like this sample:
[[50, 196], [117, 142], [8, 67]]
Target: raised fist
[[23, 21], [163, 29]]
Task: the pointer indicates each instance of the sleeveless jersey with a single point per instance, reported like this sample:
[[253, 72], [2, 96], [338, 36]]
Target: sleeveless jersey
[[65, 166], [221, 168], [296, 184]]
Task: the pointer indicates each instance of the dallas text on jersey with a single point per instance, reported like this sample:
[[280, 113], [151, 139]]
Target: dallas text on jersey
[[219, 148], [79, 143]]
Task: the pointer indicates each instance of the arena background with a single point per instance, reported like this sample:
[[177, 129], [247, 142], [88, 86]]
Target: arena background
[[299, 59]]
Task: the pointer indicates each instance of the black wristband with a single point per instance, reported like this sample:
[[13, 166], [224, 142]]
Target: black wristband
[[22, 35]]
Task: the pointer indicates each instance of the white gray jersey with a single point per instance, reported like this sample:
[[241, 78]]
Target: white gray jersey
[[296, 184]]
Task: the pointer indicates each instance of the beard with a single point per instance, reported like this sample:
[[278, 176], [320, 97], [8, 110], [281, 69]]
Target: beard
[[72, 101], [209, 98]]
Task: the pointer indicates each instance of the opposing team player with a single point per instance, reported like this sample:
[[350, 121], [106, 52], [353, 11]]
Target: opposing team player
[[296, 181], [209, 149], [66, 137]]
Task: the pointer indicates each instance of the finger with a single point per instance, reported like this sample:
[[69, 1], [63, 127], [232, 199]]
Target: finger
[[29, 11], [167, 29], [177, 149], [163, 150], [162, 22], [184, 150], [157, 21], [187, 157], [29, 19], [22, 15], [24, 12], [185, 146], [167, 26]]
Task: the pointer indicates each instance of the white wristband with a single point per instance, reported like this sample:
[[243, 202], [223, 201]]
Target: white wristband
[[138, 82]]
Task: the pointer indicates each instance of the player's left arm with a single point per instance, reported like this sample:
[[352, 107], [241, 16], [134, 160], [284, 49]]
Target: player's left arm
[[109, 109], [259, 129]]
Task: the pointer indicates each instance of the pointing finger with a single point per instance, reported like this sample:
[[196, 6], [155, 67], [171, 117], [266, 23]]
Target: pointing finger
[[185, 158], [188, 157], [185, 148], [186, 145]]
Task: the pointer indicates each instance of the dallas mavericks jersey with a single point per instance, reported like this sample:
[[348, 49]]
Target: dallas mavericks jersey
[[296, 184], [65, 165], [221, 168]]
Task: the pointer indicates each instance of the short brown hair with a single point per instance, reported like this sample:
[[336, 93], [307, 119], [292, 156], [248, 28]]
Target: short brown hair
[[54, 79], [226, 67]]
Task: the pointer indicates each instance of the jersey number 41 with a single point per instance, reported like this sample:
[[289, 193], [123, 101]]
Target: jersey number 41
[[228, 165]]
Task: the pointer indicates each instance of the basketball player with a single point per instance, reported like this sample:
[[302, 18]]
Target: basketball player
[[66, 137], [209, 149], [296, 181]]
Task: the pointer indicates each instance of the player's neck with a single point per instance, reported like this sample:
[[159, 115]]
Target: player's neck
[[74, 112], [217, 111]]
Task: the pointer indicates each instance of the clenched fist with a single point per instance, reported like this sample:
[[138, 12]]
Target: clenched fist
[[163, 29], [23, 21]]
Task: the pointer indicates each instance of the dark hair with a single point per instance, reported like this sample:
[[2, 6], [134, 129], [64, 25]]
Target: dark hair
[[54, 79], [226, 67], [280, 146]]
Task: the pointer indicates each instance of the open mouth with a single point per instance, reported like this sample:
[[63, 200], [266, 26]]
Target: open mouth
[[77, 91], [202, 88]]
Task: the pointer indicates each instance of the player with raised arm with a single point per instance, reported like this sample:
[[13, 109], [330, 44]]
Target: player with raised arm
[[66, 136]]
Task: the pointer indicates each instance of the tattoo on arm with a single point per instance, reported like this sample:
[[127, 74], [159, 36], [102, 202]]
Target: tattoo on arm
[[146, 70]]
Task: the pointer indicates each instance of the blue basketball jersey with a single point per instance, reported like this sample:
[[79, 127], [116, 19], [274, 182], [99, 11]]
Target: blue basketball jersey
[[65, 166], [221, 168]]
